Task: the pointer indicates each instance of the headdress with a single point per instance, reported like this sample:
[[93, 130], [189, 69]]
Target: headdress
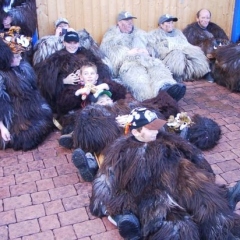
[[143, 117], [17, 43]]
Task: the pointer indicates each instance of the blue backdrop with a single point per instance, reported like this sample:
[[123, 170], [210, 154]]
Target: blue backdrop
[[236, 22]]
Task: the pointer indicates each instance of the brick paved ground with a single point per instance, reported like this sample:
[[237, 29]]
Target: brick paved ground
[[43, 198]]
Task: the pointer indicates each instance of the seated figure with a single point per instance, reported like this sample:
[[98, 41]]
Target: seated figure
[[183, 59], [25, 116]]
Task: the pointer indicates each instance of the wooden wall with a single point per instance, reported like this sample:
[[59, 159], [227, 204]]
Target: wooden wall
[[96, 16]]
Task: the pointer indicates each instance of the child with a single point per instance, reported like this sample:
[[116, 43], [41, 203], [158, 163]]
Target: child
[[89, 77]]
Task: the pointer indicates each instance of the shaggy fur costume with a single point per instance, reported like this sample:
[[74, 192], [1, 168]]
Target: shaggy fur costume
[[184, 60], [141, 74], [196, 35], [23, 13], [168, 185], [95, 127], [53, 70], [23, 110], [226, 69]]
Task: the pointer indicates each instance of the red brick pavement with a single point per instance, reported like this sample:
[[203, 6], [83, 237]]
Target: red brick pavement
[[42, 196]]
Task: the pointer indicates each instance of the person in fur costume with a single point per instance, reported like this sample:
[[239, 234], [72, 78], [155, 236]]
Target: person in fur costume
[[25, 117], [58, 77], [203, 29], [127, 48], [226, 68], [163, 181], [169, 44]]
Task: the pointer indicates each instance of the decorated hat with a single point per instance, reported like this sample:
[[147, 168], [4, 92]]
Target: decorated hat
[[143, 117], [124, 16], [167, 18], [18, 43]]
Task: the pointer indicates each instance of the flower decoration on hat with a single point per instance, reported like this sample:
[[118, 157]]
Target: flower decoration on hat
[[18, 43], [178, 123]]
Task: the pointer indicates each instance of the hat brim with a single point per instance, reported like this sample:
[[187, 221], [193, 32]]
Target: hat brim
[[155, 124], [105, 92], [61, 22], [171, 19], [127, 18]]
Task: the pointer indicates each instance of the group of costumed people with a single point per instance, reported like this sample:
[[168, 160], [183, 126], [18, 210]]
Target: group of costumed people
[[130, 139]]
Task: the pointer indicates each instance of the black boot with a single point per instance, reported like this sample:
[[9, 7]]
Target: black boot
[[176, 91], [66, 140], [209, 77], [128, 226], [86, 164], [234, 195]]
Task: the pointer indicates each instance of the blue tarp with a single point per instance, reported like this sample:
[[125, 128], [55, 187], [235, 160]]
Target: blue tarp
[[236, 22]]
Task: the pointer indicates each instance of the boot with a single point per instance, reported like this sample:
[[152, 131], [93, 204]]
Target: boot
[[86, 165], [128, 226], [176, 91], [66, 140]]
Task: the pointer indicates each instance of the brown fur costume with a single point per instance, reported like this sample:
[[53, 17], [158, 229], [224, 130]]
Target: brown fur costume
[[226, 69], [168, 185], [23, 110], [53, 70], [196, 35]]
